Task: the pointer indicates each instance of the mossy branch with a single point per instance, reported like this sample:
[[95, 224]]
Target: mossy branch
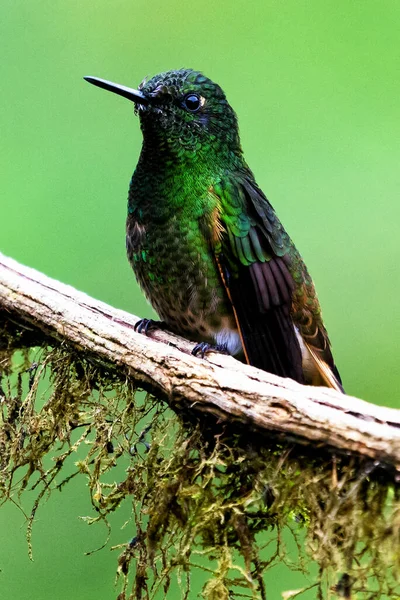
[[214, 490], [220, 385]]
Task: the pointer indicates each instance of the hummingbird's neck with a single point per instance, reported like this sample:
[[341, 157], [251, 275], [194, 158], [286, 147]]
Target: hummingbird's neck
[[184, 147], [165, 182], [159, 156], [175, 173]]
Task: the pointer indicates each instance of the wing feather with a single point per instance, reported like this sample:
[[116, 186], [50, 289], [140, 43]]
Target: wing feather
[[272, 294]]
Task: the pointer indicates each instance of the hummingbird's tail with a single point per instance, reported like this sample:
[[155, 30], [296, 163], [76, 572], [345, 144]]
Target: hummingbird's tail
[[272, 342], [320, 372], [269, 338]]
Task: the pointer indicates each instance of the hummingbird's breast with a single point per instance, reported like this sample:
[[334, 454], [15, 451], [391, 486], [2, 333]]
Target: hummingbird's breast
[[173, 264]]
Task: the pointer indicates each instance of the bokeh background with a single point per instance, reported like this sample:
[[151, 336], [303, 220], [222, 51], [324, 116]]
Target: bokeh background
[[316, 85]]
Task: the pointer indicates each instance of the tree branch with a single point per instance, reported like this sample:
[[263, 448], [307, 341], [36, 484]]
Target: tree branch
[[219, 385]]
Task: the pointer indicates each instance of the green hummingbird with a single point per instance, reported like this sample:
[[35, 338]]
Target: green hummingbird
[[205, 243]]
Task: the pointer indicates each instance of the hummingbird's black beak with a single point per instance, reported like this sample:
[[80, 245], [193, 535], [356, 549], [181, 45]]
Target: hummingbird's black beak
[[134, 95]]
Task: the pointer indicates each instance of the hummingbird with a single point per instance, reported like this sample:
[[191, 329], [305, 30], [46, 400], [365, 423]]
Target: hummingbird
[[205, 243]]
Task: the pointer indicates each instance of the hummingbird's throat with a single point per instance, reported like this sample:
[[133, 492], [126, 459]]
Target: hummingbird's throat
[[162, 138]]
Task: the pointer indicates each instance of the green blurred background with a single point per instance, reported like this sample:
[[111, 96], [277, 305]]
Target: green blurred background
[[316, 85]]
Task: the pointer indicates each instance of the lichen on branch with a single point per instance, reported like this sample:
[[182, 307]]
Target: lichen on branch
[[207, 495], [216, 484]]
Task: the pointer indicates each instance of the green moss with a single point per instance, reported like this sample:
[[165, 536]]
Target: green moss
[[204, 496]]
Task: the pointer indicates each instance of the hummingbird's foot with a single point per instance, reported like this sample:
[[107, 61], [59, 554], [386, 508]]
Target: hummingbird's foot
[[146, 325], [203, 347]]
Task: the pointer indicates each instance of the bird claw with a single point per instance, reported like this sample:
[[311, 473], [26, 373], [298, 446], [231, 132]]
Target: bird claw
[[146, 325], [202, 348]]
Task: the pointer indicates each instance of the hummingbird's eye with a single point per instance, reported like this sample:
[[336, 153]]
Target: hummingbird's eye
[[192, 102]]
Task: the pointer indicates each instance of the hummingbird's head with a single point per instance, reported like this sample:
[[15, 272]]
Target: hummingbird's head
[[183, 111]]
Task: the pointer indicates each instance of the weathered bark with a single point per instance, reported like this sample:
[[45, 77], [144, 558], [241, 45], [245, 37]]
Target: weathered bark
[[219, 385]]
